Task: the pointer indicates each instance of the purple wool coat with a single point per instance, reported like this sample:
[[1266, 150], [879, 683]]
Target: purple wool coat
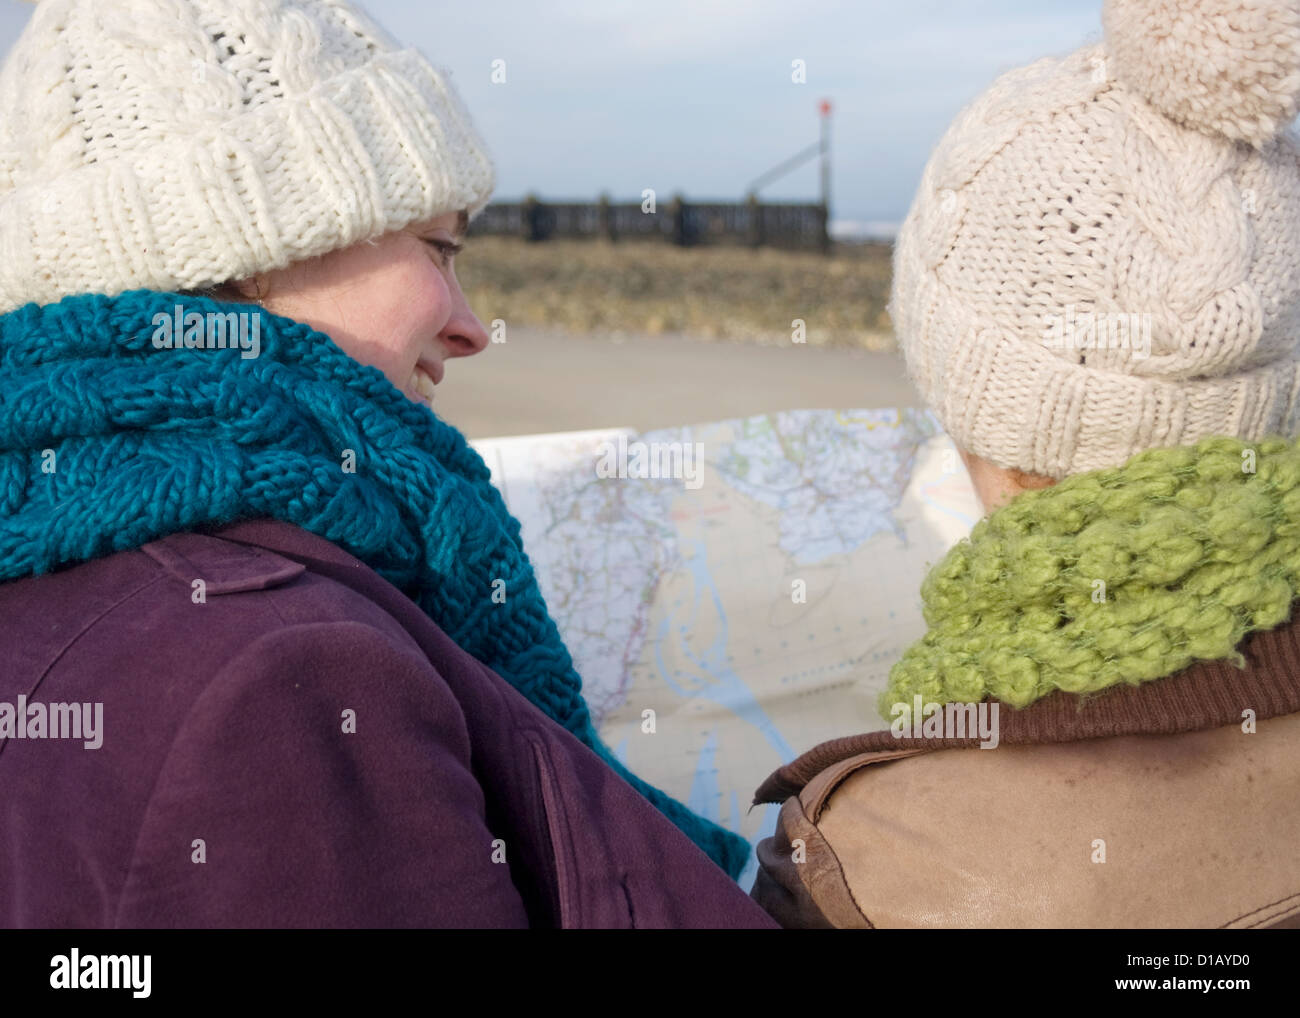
[[302, 748]]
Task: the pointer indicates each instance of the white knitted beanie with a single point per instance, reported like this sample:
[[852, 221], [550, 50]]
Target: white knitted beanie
[[1104, 253], [176, 144]]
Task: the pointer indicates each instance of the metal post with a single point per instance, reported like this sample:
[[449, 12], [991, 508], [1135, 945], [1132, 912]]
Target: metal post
[[825, 109], [677, 214], [606, 219], [530, 219], [755, 212]]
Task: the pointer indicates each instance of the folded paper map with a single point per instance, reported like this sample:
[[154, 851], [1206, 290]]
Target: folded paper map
[[735, 593]]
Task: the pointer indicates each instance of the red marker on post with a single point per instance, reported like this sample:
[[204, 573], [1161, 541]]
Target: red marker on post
[[824, 108]]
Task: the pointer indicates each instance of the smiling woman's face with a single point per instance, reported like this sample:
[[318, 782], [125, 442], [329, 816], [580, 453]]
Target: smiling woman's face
[[393, 303]]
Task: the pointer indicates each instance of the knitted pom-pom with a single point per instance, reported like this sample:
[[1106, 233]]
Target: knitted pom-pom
[[1229, 67]]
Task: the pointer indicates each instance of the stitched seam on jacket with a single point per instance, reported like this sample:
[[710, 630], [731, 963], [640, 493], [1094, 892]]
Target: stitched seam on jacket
[[839, 869], [1287, 909], [554, 827], [627, 897], [72, 640], [1285, 913], [851, 766]]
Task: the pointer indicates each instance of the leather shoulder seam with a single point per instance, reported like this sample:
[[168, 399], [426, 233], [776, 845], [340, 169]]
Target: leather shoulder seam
[[813, 796], [1280, 909]]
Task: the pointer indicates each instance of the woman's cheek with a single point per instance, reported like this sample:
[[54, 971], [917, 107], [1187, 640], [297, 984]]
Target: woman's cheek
[[439, 302]]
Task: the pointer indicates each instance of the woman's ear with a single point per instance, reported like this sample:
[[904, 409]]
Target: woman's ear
[[1031, 482], [995, 485]]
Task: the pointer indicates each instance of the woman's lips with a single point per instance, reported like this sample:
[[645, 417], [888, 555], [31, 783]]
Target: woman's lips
[[434, 369]]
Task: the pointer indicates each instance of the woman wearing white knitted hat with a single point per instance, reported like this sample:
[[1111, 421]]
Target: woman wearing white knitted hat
[[272, 644], [1097, 290]]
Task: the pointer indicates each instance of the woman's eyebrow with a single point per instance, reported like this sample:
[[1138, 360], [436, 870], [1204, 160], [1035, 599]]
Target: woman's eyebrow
[[462, 224]]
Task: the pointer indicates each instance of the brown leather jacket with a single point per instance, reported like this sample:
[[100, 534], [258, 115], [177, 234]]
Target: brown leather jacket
[[1175, 803]]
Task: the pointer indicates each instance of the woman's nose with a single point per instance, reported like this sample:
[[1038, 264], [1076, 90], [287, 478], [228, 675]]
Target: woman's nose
[[463, 334]]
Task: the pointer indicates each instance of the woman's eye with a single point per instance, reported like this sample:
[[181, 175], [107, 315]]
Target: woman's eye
[[445, 248]]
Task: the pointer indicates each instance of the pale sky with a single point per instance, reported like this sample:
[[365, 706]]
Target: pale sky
[[696, 95]]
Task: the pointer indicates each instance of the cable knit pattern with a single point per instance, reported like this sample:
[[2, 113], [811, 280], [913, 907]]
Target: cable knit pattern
[[150, 442], [176, 144], [1081, 276], [1194, 547]]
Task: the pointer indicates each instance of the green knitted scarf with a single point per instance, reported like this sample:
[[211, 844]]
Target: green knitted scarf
[[1114, 576]]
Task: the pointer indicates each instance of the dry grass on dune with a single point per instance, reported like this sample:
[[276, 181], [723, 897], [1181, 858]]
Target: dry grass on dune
[[729, 293]]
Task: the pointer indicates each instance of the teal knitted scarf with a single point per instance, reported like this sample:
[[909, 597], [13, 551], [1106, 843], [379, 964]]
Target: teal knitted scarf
[[1116, 576], [150, 442]]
